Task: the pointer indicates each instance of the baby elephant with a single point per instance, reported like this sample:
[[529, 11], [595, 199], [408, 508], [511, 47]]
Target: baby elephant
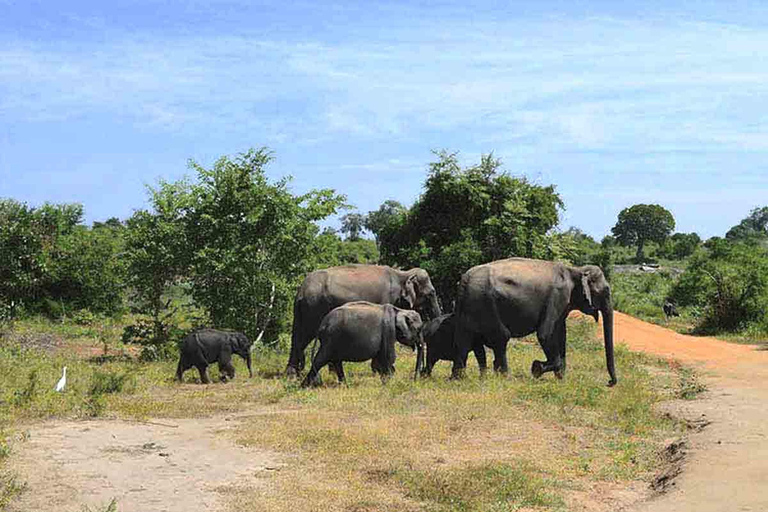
[[438, 336], [670, 309], [359, 331], [207, 346]]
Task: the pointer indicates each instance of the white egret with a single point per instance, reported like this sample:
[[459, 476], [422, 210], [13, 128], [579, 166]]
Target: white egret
[[62, 381]]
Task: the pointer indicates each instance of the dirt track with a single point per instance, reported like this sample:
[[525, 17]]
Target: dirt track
[[154, 467], [727, 467]]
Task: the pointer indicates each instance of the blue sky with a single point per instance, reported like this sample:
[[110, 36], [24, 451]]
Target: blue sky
[[614, 103]]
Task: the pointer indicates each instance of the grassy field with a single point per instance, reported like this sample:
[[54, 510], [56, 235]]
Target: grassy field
[[482, 444]]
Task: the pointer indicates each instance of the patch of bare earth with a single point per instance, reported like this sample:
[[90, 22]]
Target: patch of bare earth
[[171, 466], [724, 466]]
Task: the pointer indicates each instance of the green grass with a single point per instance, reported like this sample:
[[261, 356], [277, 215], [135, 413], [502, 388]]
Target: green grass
[[493, 443]]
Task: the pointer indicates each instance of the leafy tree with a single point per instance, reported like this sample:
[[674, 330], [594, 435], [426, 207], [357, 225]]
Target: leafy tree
[[643, 223], [681, 245], [353, 225], [86, 271], [465, 217], [331, 251], [22, 265], [752, 227], [248, 240], [157, 254]]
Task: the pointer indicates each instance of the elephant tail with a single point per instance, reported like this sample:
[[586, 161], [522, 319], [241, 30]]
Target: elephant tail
[[388, 337], [180, 369]]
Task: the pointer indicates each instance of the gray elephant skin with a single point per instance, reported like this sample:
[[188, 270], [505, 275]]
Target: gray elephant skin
[[207, 346], [359, 331], [438, 336], [515, 297], [324, 290]]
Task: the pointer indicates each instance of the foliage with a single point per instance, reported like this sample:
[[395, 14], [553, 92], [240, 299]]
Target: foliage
[[50, 259], [752, 227], [680, 245], [331, 251], [247, 241], [353, 225], [729, 283], [154, 345], [157, 255], [465, 217], [643, 223], [641, 295]]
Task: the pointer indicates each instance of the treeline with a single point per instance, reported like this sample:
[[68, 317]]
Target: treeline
[[234, 246]]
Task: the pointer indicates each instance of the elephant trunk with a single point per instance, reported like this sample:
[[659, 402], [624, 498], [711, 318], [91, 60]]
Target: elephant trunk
[[607, 311], [419, 357], [435, 310]]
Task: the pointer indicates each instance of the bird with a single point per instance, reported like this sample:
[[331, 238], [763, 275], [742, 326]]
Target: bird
[[62, 381]]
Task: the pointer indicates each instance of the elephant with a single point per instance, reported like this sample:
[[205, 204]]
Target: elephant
[[518, 296], [438, 338], [359, 331], [324, 290], [206, 346], [670, 309]]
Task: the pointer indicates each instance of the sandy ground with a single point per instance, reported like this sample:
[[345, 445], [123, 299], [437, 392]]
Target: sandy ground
[[726, 467], [186, 465], [167, 466]]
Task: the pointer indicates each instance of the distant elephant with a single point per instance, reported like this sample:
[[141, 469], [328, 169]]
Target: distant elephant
[[359, 331], [207, 346], [324, 290], [438, 337], [517, 296], [670, 309]]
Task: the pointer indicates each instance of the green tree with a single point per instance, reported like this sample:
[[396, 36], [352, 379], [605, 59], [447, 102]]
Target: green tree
[[157, 254], [753, 227], [22, 265], [249, 241], [681, 245], [331, 251], [643, 223], [465, 217], [353, 225]]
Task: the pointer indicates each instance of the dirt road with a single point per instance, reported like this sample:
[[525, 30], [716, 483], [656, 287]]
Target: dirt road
[[727, 465], [189, 464]]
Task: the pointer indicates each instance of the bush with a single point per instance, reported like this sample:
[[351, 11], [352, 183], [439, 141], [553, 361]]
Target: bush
[[730, 285], [144, 331]]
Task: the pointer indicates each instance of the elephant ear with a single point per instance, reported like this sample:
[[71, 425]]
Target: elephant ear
[[408, 292], [557, 306], [585, 287]]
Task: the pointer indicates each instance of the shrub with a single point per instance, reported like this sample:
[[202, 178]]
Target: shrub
[[729, 283]]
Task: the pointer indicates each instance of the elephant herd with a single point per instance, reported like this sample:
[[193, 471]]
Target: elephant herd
[[358, 312]]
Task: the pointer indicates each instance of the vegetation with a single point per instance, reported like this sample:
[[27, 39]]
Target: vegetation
[[643, 223], [465, 217], [552, 438]]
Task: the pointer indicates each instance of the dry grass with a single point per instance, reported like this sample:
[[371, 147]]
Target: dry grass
[[492, 444]]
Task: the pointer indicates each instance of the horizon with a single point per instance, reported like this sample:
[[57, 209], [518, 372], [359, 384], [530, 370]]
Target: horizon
[[613, 104]]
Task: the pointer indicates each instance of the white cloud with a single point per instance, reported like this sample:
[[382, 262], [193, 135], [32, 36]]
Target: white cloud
[[590, 84]]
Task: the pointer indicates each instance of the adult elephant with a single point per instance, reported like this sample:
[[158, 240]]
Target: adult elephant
[[324, 290], [515, 297]]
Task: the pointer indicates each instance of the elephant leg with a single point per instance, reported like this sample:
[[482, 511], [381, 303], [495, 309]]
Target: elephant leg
[[338, 367], [478, 347], [560, 373], [427, 370], [551, 348], [321, 359], [463, 342], [226, 370], [500, 364], [203, 369], [180, 369]]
